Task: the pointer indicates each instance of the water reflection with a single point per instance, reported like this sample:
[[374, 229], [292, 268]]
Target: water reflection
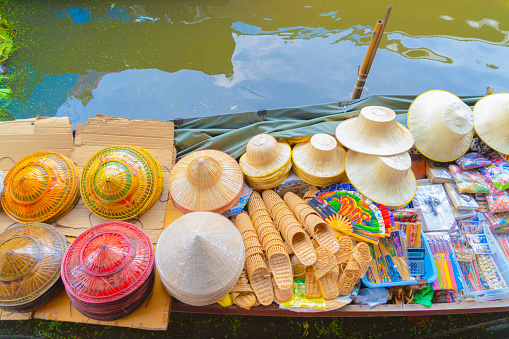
[[161, 60]]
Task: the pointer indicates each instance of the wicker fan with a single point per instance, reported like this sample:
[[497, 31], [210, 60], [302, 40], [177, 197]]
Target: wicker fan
[[491, 116], [442, 125], [121, 182], [41, 187], [375, 131], [30, 258], [207, 180]]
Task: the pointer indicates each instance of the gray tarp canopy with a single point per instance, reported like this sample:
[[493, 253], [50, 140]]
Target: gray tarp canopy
[[231, 132]]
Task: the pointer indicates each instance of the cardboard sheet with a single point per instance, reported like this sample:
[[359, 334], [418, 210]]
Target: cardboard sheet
[[103, 131]]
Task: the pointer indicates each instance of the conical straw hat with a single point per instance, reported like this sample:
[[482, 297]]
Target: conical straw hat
[[207, 180], [375, 131], [264, 156], [385, 180], [442, 125], [199, 257], [321, 157], [491, 115]]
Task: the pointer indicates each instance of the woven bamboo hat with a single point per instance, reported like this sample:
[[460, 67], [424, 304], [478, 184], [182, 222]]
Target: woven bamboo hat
[[491, 116], [385, 180], [319, 161], [375, 131], [442, 125], [264, 156], [199, 257], [206, 180]]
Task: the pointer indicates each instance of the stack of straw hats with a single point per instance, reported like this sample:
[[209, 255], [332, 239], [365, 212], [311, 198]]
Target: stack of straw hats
[[442, 125], [378, 163], [30, 258], [319, 162], [108, 271], [206, 180], [200, 257], [266, 163], [491, 121], [41, 187], [121, 182]]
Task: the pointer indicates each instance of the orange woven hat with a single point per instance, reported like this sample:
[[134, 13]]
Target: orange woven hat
[[207, 180], [41, 187]]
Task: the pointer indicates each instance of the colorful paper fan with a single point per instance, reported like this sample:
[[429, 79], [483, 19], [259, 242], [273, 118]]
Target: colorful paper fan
[[363, 221], [30, 258], [41, 187], [108, 270], [121, 182]]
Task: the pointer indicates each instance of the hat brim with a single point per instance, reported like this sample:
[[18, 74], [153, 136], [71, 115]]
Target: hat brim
[[491, 116], [258, 171]]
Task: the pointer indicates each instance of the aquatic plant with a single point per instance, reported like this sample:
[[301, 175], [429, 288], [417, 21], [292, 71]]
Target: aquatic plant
[[6, 42]]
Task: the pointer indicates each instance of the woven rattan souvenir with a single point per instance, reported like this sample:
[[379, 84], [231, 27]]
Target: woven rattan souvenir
[[326, 272], [41, 187], [375, 131], [344, 254], [272, 243], [108, 271], [355, 269], [310, 193], [242, 294], [30, 258], [200, 257], [312, 287], [441, 124], [206, 180], [491, 118], [257, 271], [121, 182], [385, 180], [319, 162], [280, 295], [290, 228]]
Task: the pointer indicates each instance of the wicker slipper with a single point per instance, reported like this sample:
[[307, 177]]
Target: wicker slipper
[[355, 269], [326, 272], [243, 294]]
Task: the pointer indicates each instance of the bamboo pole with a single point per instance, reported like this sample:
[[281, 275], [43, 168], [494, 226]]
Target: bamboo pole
[[370, 55]]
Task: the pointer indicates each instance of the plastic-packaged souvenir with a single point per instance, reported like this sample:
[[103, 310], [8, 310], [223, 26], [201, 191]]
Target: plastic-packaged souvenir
[[460, 201], [498, 222], [438, 172], [469, 181], [473, 160], [436, 209], [498, 201]]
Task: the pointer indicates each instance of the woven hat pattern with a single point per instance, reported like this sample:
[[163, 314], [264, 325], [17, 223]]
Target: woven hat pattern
[[41, 187], [491, 118]]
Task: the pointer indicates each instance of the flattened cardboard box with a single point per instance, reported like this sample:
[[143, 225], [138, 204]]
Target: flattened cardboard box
[[20, 138], [103, 131]]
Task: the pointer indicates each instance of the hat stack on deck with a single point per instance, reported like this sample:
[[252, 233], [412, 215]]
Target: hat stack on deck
[[30, 258], [320, 162], [266, 163], [121, 182], [200, 257], [41, 187], [206, 180], [378, 163], [108, 271]]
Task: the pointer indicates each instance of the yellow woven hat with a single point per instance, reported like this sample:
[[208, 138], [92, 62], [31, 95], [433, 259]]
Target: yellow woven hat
[[264, 156], [375, 131], [385, 180], [491, 116], [442, 125], [207, 180]]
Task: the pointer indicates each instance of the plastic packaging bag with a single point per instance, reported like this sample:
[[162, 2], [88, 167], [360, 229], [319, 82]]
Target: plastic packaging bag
[[498, 201], [301, 303], [436, 209], [473, 160], [372, 296], [460, 201], [469, 181]]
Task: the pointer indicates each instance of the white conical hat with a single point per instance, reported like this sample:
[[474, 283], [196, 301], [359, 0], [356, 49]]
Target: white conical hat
[[375, 131], [442, 125], [385, 180], [199, 257], [264, 156], [491, 116]]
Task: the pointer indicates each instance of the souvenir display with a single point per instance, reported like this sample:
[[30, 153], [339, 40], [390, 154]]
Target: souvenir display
[[491, 118], [121, 182], [30, 258], [320, 162], [207, 180], [441, 124], [266, 163], [108, 271], [375, 131], [200, 257], [41, 187]]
